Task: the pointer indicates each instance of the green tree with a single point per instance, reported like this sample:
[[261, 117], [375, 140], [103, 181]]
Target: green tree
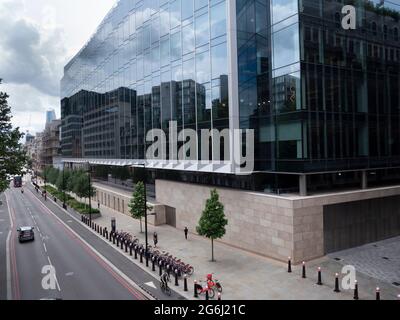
[[138, 202], [213, 221], [52, 175], [62, 180], [82, 188], [12, 155]]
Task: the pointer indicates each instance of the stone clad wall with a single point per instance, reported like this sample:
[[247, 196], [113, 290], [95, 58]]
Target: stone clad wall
[[270, 225], [259, 223]]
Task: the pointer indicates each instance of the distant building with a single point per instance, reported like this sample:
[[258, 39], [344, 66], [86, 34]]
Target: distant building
[[29, 138], [50, 116]]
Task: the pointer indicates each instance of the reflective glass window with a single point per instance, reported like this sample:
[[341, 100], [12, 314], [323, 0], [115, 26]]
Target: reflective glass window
[[200, 4], [286, 44], [164, 51], [188, 39], [175, 13], [218, 20], [202, 30], [203, 67], [187, 9], [176, 46]]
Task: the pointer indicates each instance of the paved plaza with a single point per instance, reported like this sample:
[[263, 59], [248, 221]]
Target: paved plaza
[[248, 276]]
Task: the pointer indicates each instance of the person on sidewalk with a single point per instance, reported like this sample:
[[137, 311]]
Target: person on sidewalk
[[155, 239], [186, 232], [98, 205]]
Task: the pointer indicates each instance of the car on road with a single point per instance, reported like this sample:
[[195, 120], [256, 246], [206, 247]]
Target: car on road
[[26, 234]]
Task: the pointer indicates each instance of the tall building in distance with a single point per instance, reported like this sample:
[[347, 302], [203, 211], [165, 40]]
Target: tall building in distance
[[50, 116], [324, 104]]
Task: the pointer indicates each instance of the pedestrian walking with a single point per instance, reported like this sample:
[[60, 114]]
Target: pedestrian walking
[[155, 239], [186, 232], [98, 205]]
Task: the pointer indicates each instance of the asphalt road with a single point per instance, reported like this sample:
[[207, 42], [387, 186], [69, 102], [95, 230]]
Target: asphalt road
[[86, 266]]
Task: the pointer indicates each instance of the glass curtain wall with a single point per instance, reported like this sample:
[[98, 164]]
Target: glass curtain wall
[[351, 84], [150, 62]]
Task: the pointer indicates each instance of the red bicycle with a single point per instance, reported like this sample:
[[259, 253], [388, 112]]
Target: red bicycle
[[202, 290]]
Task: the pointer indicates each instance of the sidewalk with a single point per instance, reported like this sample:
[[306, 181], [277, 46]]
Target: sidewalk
[[247, 276], [244, 275]]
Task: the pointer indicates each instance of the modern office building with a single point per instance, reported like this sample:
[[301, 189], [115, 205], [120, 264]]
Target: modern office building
[[323, 101], [50, 115]]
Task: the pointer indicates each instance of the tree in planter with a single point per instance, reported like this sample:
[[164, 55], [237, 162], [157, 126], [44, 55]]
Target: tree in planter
[[12, 155], [137, 203], [213, 221]]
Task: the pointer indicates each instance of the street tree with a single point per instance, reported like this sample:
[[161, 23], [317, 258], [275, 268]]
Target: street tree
[[213, 221], [62, 180], [12, 155], [82, 188], [138, 203]]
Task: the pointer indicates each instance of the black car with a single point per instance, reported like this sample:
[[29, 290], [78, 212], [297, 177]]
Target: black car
[[26, 234]]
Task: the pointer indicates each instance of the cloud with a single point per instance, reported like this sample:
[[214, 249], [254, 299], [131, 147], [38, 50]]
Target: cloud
[[29, 108], [30, 53]]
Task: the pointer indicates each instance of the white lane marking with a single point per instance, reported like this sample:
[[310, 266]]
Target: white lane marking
[[69, 274], [8, 257], [55, 276], [151, 285], [9, 212], [44, 246], [109, 263]]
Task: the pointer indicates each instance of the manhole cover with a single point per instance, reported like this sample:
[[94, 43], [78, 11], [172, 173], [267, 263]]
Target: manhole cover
[[385, 258], [396, 284], [338, 259]]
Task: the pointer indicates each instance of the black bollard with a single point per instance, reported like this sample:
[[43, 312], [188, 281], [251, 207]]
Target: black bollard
[[147, 259], [176, 278], [117, 241], [153, 268], [126, 246], [168, 270], [141, 256], [356, 291], [113, 236], [304, 270], [336, 283], [207, 297], [130, 250], [136, 249], [219, 296], [160, 265], [195, 289], [378, 294], [319, 277], [290, 265], [122, 244], [185, 284], [82, 218]]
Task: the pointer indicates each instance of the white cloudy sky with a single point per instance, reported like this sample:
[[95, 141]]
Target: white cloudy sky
[[37, 38]]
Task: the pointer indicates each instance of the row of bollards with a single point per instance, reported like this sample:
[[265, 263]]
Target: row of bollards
[[337, 286], [139, 252]]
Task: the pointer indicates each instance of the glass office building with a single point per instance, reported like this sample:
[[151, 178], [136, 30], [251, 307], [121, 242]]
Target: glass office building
[[323, 101]]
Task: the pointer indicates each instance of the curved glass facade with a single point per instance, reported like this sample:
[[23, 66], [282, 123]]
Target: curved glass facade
[[150, 62], [320, 98]]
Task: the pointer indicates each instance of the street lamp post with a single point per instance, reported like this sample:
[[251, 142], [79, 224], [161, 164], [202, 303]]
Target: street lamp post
[[90, 194], [63, 183], [45, 187], [145, 208]]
